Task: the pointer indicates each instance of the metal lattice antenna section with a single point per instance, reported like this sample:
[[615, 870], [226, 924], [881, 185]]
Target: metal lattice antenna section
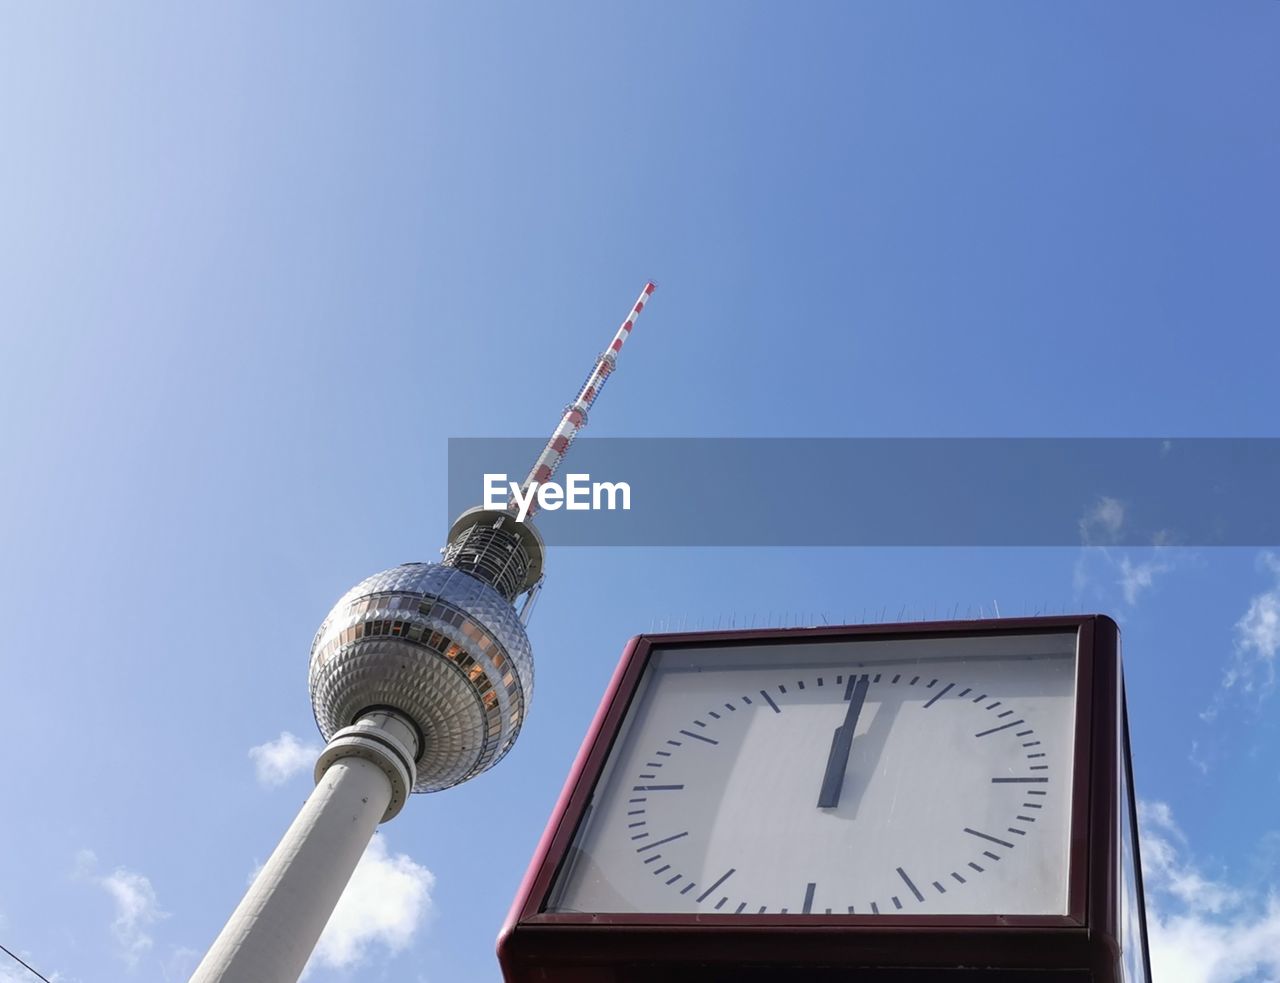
[[490, 544], [575, 414]]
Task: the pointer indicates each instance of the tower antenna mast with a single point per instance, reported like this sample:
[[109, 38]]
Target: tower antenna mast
[[575, 414]]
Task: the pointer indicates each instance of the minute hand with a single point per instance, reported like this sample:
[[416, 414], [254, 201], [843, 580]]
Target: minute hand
[[841, 743]]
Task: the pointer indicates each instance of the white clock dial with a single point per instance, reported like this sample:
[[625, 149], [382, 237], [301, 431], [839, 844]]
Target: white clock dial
[[917, 776]]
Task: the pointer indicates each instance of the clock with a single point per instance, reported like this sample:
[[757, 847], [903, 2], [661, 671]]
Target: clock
[[742, 789], [866, 775]]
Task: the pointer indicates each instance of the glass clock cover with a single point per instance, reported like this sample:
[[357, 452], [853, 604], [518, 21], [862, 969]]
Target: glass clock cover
[[866, 776]]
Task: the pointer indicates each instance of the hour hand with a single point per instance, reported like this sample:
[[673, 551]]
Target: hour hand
[[841, 743]]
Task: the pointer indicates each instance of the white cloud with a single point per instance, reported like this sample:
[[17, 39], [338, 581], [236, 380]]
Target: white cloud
[[181, 964], [277, 761], [134, 899], [1201, 929], [1103, 522], [1258, 630], [1137, 577], [384, 904], [1257, 641], [1162, 846], [1098, 571], [11, 972]]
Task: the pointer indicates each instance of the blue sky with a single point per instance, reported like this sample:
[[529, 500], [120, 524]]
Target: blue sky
[[258, 264]]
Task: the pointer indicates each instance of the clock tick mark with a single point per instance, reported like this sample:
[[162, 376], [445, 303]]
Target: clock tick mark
[[781, 688], [648, 776], [940, 888], [808, 897], [720, 903], [656, 843], [877, 679], [700, 723], [688, 887], [958, 878], [1038, 791], [740, 909], [1024, 733], [656, 856], [663, 754], [640, 836], [979, 699], [712, 713], [1038, 767], [1027, 819], [674, 743], [800, 683], [1032, 805], [964, 692], [895, 679], [674, 879], [769, 700], [819, 680], [1007, 713], [938, 695], [994, 705], [699, 737], [662, 870], [1031, 744], [1020, 832], [988, 853], [655, 788], [636, 825], [976, 867], [995, 730], [851, 911], [988, 837], [746, 700], [914, 680], [931, 684], [875, 908], [1003, 781], [763, 909], [723, 877], [1039, 755], [730, 707], [896, 903], [907, 880]]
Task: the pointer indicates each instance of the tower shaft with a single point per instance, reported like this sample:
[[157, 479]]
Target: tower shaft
[[273, 931]]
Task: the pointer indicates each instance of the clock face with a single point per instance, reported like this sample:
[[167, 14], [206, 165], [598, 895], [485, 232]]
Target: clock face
[[867, 776]]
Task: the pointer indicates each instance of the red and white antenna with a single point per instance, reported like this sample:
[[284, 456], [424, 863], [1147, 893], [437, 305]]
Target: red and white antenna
[[575, 414]]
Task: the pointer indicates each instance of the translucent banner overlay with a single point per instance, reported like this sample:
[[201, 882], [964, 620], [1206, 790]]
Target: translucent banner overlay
[[899, 491]]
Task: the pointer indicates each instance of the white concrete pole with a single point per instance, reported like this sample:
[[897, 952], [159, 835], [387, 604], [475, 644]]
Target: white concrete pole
[[363, 778]]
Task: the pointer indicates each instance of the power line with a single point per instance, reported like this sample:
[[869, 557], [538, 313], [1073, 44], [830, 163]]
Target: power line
[[29, 968]]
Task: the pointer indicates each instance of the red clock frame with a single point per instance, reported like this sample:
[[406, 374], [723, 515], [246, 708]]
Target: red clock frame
[[536, 946]]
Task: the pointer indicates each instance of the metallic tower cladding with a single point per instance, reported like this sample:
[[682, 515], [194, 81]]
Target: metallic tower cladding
[[420, 678]]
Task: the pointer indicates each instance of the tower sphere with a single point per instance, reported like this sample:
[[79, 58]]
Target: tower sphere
[[439, 645]]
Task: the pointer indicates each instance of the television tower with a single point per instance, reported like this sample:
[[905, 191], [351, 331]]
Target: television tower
[[420, 679]]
